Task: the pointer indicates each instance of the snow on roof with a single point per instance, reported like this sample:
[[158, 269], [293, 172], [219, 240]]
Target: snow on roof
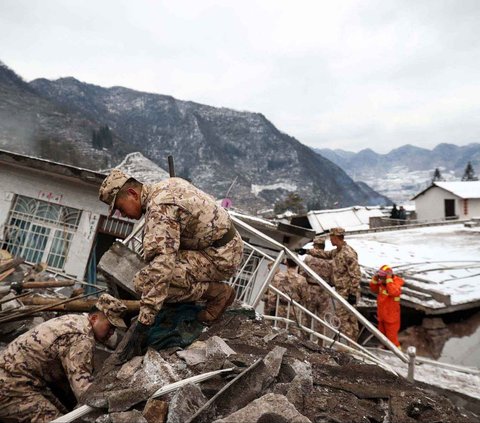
[[462, 189], [144, 170], [441, 259], [252, 218], [349, 218]]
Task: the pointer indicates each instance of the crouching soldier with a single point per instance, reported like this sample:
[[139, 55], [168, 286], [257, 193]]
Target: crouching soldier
[[189, 243], [53, 353]]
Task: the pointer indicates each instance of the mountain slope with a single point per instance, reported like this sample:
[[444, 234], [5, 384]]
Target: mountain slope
[[212, 146], [406, 170], [31, 124]]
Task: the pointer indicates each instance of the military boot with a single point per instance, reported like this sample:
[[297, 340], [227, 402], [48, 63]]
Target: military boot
[[218, 297]]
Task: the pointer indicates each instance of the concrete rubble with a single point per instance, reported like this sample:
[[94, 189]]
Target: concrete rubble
[[275, 378]]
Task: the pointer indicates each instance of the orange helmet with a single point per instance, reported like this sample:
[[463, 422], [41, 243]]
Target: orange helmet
[[385, 271]]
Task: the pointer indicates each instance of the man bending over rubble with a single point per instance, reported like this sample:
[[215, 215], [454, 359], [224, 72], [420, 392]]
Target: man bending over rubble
[[189, 243], [49, 355]]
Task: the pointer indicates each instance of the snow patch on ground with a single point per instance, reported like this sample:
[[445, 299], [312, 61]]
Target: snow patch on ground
[[446, 258], [287, 186]]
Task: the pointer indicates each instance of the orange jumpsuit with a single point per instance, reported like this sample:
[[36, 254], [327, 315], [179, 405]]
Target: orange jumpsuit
[[388, 305]]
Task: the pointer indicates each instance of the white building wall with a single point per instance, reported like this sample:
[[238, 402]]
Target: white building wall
[[473, 208], [431, 204], [67, 192]]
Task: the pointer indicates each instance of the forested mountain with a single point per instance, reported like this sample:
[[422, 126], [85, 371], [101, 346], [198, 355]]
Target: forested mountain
[[91, 126]]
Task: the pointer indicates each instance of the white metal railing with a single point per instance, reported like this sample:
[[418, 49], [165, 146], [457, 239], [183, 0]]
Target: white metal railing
[[251, 287]]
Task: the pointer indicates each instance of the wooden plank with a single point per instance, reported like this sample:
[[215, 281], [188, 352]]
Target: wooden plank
[[6, 273], [11, 264]]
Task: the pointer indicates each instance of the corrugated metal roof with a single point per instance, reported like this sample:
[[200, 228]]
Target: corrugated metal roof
[[350, 218]]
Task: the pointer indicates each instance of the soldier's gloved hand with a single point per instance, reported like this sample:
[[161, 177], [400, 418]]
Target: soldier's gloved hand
[[136, 342], [352, 299]]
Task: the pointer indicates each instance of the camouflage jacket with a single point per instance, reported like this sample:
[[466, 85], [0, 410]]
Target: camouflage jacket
[[178, 216], [345, 269], [57, 349], [322, 267], [290, 283]]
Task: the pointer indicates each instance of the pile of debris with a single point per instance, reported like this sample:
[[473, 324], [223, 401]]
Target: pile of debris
[[269, 376]]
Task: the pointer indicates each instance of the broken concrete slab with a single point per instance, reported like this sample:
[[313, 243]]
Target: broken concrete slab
[[269, 408], [133, 416], [185, 403], [247, 386], [193, 356], [155, 411], [217, 347], [157, 370], [128, 370], [119, 265]]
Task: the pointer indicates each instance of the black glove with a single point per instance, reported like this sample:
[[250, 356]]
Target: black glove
[[352, 299], [136, 342], [301, 251]]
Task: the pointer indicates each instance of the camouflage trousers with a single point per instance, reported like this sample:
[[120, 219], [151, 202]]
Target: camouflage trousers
[[21, 402], [194, 270], [322, 306], [348, 322]]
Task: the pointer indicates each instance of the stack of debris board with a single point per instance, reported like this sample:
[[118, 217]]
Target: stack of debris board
[[29, 290], [275, 377]]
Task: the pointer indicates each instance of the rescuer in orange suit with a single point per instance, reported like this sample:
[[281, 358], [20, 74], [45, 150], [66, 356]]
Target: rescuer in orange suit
[[388, 288]]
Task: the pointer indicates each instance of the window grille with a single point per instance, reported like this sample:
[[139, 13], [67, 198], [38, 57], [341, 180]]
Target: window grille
[[40, 231]]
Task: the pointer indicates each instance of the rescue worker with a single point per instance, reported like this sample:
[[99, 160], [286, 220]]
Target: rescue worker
[[320, 301], [55, 353], [388, 288], [291, 283], [189, 243], [345, 278]]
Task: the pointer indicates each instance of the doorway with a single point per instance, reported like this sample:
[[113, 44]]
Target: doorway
[[450, 209]]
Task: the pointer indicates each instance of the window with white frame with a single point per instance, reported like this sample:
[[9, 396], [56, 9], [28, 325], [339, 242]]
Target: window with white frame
[[40, 231]]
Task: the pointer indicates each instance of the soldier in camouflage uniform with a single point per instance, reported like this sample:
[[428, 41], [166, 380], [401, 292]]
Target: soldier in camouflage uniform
[[54, 353], [291, 283], [345, 277], [189, 242], [320, 301]]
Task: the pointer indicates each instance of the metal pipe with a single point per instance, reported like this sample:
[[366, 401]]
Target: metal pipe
[[411, 352], [171, 167], [267, 280]]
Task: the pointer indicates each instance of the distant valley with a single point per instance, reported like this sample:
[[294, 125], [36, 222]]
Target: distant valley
[[405, 171]]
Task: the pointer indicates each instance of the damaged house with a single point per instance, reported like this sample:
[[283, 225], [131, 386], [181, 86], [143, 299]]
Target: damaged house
[[49, 212]]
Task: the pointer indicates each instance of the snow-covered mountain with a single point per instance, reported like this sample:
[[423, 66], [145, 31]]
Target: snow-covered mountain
[[31, 124], [405, 171], [212, 146]]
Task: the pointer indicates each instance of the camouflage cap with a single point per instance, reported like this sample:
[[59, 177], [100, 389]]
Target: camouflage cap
[[113, 309], [337, 231], [319, 240], [110, 186]]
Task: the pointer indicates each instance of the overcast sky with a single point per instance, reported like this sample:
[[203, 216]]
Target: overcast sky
[[333, 74]]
